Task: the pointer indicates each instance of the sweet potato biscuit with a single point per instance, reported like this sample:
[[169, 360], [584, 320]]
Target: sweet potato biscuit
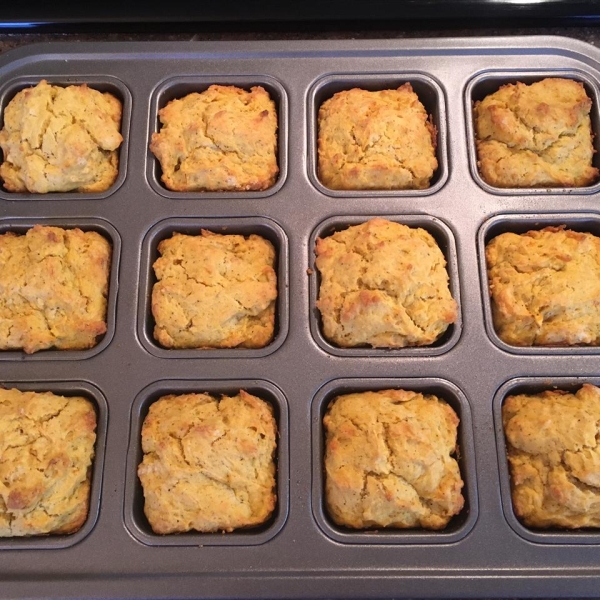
[[214, 291], [376, 141], [537, 135], [208, 464], [389, 460], [46, 451], [59, 139], [554, 457], [383, 284], [545, 287], [53, 289], [224, 139]]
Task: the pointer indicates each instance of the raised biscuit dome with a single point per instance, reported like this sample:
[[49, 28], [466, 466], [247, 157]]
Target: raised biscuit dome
[[223, 139], [376, 140], [537, 135], [545, 286], [383, 284], [389, 460], [59, 139], [552, 445]]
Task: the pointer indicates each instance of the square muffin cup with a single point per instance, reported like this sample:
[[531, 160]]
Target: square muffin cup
[[445, 239], [430, 94], [521, 223], [135, 519], [92, 393], [102, 83], [535, 385], [489, 82], [262, 226], [459, 526], [21, 225], [178, 87]]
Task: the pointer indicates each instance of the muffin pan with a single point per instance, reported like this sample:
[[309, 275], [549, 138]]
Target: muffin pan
[[484, 551]]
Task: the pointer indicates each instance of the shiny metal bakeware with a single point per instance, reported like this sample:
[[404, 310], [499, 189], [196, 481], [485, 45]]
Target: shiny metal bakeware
[[484, 552]]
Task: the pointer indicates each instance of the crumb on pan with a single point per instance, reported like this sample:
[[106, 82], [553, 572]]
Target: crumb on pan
[[53, 289], [383, 284], [382, 140], [545, 287], [554, 457], [46, 452], [537, 135], [223, 139], [214, 291], [208, 463], [60, 139], [390, 460]]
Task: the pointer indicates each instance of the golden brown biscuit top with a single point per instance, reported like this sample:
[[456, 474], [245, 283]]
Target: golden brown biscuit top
[[376, 140], [536, 135], [59, 139], [53, 288], [214, 290], [533, 116], [46, 450], [545, 287], [383, 284], [552, 441], [208, 463], [221, 139], [389, 460]]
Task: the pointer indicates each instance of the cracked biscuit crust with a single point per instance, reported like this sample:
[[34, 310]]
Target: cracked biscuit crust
[[59, 139], [389, 460], [46, 451], [545, 286], [537, 135], [383, 284], [53, 289], [554, 457], [224, 139], [208, 464], [214, 291], [376, 141]]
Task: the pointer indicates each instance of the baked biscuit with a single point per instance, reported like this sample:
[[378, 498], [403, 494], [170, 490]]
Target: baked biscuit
[[376, 141], [53, 289], [214, 291], [389, 460], [383, 284], [46, 451], [224, 139], [545, 286], [537, 135], [554, 457], [208, 464], [59, 139]]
